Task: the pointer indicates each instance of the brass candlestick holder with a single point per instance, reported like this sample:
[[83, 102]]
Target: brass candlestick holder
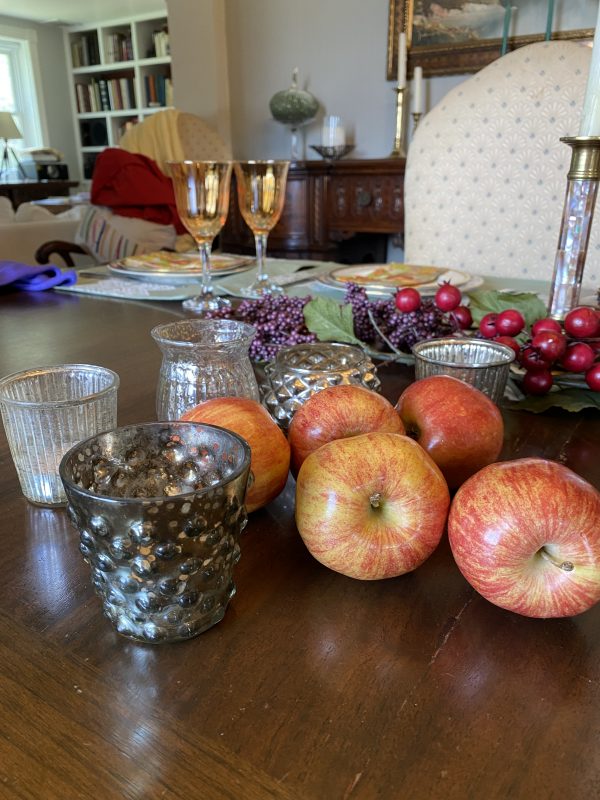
[[398, 151], [416, 115], [578, 212]]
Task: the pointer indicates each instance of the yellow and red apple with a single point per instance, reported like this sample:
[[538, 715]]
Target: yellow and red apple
[[459, 426], [270, 450], [337, 413], [526, 535], [371, 506]]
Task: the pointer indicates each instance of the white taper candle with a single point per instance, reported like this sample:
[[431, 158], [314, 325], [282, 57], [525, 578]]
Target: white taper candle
[[402, 60], [418, 90]]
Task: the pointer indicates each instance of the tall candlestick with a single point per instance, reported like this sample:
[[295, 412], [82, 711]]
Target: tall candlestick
[[590, 120], [549, 20], [506, 27], [418, 90], [402, 60]]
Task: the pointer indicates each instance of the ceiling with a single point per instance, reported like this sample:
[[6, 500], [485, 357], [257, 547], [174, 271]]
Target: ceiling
[[71, 12]]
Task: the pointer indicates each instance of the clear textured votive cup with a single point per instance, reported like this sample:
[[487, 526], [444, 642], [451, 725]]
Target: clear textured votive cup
[[202, 359], [482, 363], [45, 412], [160, 508]]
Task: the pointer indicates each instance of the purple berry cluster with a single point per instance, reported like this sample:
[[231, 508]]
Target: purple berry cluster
[[279, 322], [401, 328]]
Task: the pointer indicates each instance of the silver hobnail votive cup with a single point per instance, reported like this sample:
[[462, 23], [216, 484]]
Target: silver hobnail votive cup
[[160, 508], [298, 372], [480, 362]]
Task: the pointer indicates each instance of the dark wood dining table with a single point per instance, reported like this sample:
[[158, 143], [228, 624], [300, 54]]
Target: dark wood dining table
[[315, 686]]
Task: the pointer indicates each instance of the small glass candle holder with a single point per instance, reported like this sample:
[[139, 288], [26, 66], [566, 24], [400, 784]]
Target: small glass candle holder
[[202, 359], [46, 411], [160, 508], [302, 370], [479, 362]]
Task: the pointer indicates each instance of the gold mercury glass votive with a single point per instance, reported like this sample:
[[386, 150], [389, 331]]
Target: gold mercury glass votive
[[482, 363]]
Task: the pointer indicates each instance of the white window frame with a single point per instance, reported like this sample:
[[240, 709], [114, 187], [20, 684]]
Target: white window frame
[[20, 44]]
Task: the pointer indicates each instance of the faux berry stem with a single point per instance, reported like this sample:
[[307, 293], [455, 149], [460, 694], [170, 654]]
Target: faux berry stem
[[383, 336]]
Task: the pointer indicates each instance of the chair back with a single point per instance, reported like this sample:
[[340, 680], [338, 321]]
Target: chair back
[[173, 135], [486, 170]]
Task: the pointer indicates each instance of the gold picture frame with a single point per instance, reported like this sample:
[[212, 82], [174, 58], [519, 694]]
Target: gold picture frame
[[456, 58]]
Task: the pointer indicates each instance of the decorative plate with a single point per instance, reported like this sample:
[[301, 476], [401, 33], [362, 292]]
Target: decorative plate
[[164, 266], [385, 278]]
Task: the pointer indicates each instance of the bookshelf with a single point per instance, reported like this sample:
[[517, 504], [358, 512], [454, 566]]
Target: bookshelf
[[120, 72]]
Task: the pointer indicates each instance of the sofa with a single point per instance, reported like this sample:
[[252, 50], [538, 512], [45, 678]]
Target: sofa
[[24, 230]]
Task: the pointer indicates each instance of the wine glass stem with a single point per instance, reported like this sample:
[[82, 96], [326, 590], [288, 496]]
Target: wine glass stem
[[205, 248], [261, 251]]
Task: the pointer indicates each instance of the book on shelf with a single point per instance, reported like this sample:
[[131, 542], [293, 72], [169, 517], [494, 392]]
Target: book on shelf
[[85, 51], [119, 47], [159, 90], [104, 98], [160, 44]]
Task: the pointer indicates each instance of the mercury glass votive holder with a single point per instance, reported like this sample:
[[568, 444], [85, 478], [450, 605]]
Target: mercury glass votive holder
[[160, 508], [482, 363], [45, 412], [302, 370]]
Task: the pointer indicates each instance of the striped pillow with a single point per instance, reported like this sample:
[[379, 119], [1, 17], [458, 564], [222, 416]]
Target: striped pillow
[[109, 237]]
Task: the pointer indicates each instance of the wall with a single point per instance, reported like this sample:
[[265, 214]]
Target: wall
[[199, 65], [55, 86], [340, 50]]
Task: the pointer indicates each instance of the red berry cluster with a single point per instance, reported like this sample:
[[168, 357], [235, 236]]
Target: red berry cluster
[[572, 347], [448, 299]]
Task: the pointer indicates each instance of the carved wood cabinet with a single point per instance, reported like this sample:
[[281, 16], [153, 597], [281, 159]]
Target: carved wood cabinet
[[334, 210]]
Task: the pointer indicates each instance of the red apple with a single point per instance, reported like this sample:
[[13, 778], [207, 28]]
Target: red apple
[[459, 426], [270, 450], [338, 412], [526, 535], [371, 506]]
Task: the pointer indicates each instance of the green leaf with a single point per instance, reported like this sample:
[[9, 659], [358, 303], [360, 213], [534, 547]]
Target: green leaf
[[330, 321], [569, 399], [487, 301]]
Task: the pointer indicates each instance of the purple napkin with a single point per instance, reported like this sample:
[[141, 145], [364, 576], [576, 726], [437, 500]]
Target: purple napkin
[[35, 279]]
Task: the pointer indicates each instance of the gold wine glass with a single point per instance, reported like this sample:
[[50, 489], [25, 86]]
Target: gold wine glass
[[202, 199], [261, 195]]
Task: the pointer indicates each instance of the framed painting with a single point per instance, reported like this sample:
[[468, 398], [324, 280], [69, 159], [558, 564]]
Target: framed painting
[[448, 37]]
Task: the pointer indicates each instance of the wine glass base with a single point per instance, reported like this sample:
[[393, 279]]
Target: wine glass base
[[262, 288], [202, 304]]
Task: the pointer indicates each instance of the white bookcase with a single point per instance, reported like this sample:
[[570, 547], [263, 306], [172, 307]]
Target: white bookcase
[[120, 73]]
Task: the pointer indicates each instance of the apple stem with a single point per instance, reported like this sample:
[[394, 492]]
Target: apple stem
[[375, 499], [567, 566]]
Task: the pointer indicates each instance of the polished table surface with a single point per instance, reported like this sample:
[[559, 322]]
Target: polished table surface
[[314, 685]]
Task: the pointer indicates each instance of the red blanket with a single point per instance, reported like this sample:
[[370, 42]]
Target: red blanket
[[132, 185]]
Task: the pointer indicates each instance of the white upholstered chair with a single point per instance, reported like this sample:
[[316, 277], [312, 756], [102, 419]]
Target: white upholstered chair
[[486, 172]]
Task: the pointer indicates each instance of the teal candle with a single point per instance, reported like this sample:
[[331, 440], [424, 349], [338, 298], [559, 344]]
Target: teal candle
[[549, 20], [505, 29]]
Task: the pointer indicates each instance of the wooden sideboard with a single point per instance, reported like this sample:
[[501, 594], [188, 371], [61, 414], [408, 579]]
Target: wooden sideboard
[[334, 211]]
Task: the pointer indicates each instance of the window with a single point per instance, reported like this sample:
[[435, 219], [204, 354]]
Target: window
[[19, 80]]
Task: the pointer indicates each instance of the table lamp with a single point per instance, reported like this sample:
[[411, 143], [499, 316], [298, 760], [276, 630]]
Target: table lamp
[[9, 130]]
